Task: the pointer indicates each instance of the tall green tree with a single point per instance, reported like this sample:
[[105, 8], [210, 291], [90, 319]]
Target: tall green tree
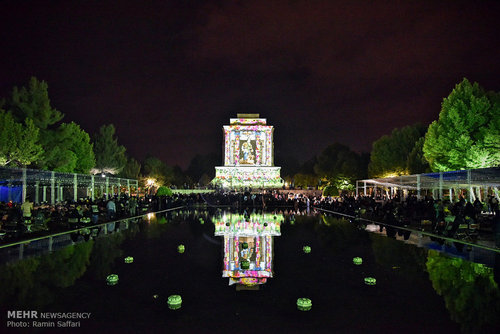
[[467, 133], [131, 170], [179, 177], [203, 165], [67, 147], [390, 153], [81, 146], [68, 150], [336, 161], [18, 143], [156, 169], [33, 102], [416, 163], [110, 156]]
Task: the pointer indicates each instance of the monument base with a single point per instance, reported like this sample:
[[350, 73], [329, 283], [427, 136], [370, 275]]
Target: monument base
[[235, 177]]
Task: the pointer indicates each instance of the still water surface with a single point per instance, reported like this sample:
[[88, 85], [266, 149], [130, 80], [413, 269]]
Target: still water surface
[[417, 290]]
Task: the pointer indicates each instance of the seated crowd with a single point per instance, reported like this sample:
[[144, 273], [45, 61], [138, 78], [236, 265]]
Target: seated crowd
[[19, 219]]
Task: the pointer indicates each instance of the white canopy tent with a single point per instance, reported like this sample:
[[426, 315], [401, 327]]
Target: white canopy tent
[[473, 183]]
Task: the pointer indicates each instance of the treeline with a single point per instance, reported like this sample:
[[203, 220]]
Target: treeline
[[465, 136], [200, 172], [33, 134]]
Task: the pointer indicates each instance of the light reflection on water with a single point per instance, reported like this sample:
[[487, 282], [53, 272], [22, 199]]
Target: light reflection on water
[[469, 290]]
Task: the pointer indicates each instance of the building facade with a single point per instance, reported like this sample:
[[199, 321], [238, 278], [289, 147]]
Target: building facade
[[248, 155]]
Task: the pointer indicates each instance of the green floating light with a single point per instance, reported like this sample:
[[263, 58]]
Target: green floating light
[[181, 248], [370, 281], [112, 279], [155, 296], [306, 249], [202, 221], [245, 264], [304, 304], [174, 302], [357, 261], [244, 245], [129, 259]]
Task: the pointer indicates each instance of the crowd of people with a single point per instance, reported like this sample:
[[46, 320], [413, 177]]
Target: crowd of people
[[27, 218]]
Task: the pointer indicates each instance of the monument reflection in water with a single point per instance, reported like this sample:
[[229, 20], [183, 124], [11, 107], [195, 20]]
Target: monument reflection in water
[[248, 246]]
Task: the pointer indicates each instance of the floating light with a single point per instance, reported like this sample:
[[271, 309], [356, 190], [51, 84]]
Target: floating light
[[244, 245], [155, 296], [357, 261], [174, 302], [370, 281], [181, 248], [129, 259], [306, 249], [112, 279], [304, 304]]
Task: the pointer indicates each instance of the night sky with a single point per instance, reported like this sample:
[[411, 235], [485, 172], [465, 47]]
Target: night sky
[[170, 74]]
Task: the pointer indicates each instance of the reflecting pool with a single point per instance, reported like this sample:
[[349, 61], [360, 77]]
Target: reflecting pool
[[415, 289], [248, 246]]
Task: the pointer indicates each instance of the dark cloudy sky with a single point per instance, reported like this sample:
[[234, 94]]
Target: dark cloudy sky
[[169, 74]]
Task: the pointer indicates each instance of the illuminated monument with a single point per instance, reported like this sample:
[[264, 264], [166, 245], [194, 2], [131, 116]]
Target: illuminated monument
[[248, 155]]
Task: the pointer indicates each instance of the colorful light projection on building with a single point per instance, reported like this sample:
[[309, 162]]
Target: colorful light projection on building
[[248, 155], [248, 246]]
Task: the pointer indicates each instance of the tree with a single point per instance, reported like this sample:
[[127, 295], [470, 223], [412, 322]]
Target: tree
[[164, 191], [156, 169], [110, 156], [18, 143], [203, 164], [308, 166], [338, 159], [131, 170], [68, 150], [331, 190], [390, 153], [416, 163], [33, 102], [64, 147], [179, 178], [338, 164], [467, 133], [305, 180], [81, 146]]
